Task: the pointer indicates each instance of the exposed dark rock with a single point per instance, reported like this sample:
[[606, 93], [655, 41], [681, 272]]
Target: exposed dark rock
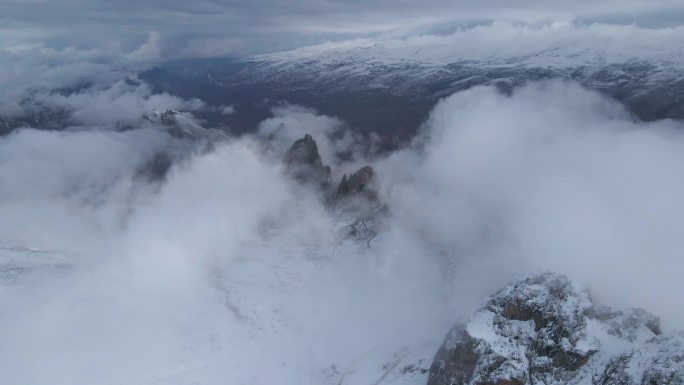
[[304, 151], [546, 330], [304, 163], [355, 203], [361, 182], [456, 363], [357, 194]]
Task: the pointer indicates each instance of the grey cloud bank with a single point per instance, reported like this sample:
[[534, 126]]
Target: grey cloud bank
[[237, 28]]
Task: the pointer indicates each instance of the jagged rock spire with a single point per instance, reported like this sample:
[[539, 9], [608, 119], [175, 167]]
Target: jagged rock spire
[[360, 182], [304, 151], [304, 162]]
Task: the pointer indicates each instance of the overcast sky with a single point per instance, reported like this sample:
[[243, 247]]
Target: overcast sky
[[241, 27]]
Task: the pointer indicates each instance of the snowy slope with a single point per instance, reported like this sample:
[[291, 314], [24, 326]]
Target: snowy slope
[[642, 67], [554, 46], [19, 263], [270, 316]]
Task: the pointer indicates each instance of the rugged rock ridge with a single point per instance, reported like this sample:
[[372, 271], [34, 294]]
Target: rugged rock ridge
[[355, 200], [545, 329], [189, 137], [182, 125], [304, 163]]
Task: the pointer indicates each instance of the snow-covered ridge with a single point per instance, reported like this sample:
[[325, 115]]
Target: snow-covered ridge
[[641, 67], [558, 45]]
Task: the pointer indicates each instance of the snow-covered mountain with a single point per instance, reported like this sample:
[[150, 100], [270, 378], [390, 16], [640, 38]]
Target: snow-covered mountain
[[555, 46], [645, 68], [388, 84]]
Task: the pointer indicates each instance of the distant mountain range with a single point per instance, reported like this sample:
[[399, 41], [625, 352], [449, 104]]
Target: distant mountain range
[[388, 86]]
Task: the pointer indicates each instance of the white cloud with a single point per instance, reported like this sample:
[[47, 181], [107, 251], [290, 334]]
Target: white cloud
[[149, 51], [91, 87], [229, 270], [227, 110], [40, 68], [333, 138], [122, 103], [554, 177]]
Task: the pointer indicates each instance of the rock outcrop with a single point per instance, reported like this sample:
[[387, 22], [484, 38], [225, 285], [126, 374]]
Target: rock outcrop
[[545, 329], [362, 182], [189, 137], [355, 203], [304, 163], [358, 194]]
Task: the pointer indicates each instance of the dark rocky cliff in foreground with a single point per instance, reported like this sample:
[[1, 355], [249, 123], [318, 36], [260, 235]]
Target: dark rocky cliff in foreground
[[545, 329]]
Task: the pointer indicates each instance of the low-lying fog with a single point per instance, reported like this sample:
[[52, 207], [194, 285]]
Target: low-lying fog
[[229, 272]]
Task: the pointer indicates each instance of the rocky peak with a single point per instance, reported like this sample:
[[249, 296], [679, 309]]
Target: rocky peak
[[304, 151], [166, 118], [545, 329], [358, 217], [360, 182], [304, 162]]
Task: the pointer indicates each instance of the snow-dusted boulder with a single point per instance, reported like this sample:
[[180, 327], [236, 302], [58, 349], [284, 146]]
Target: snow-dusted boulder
[[545, 329]]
